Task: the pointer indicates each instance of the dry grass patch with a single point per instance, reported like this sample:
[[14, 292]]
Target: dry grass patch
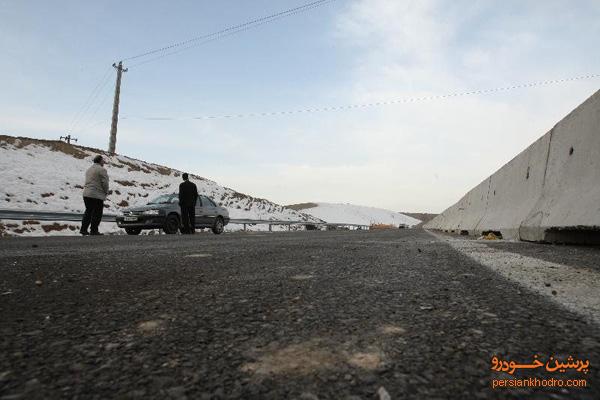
[[131, 166], [125, 183], [53, 145], [54, 227], [163, 170], [301, 206]]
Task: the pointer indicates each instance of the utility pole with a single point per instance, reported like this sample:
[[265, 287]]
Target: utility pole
[[68, 138], [115, 114]]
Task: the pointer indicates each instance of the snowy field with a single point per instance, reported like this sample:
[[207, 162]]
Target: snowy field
[[352, 214], [49, 176]]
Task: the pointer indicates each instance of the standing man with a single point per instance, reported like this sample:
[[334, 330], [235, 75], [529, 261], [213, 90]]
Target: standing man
[[188, 195], [94, 194]]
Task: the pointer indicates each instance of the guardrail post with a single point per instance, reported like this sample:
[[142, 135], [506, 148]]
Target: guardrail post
[[289, 227], [270, 227], [244, 227]]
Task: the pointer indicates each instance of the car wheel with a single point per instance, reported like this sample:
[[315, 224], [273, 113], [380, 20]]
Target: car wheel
[[133, 231], [218, 226], [171, 225]]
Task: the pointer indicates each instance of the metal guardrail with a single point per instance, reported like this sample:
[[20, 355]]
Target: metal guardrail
[[76, 217], [286, 222], [48, 216]]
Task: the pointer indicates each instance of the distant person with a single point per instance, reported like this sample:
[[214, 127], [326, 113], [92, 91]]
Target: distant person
[[95, 191], [188, 195]]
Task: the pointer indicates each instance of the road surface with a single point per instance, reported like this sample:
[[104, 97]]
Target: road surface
[[305, 315]]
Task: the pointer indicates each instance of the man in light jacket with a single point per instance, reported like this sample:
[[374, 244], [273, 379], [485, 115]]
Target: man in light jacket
[[94, 194]]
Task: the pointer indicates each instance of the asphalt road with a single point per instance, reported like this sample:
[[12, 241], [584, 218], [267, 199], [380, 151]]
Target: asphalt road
[[307, 315]]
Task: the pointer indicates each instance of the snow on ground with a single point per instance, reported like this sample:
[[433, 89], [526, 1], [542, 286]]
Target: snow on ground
[[351, 214], [49, 176]]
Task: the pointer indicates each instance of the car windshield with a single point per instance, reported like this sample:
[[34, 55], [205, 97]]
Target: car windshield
[[163, 199]]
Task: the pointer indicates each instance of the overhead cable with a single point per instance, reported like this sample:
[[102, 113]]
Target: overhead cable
[[375, 104], [196, 41], [80, 115]]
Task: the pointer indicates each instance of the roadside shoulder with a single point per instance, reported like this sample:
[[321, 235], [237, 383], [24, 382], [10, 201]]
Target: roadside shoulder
[[573, 287]]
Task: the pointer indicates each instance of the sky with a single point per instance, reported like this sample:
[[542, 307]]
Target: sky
[[418, 156]]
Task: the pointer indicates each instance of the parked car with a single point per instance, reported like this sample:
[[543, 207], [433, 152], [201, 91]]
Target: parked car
[[164, 213]]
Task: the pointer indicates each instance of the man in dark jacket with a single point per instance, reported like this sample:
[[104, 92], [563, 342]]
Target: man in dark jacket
[[188, 195]]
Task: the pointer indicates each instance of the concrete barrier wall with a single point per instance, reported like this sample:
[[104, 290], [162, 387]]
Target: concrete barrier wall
[[570, 199], [549, 192], [514, 190], [465, 214]]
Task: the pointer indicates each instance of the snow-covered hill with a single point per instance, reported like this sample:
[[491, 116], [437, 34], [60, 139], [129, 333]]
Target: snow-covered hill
[[49, 175], [348, 213]]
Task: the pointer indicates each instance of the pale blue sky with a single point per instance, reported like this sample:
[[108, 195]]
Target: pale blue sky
[[420, 156]]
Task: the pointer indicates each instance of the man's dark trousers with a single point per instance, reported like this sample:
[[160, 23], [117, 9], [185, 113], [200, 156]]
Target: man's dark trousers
[[93, 214], [188, 215]]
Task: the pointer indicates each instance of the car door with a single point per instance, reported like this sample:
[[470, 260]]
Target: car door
[[210, 210], [199, 209]]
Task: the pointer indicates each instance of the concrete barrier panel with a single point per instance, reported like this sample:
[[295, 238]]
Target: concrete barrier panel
[[515, 190], [549, 192], [570, 199], [466, 213]]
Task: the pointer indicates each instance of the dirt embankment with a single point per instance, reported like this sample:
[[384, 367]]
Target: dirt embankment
[[301, 206]]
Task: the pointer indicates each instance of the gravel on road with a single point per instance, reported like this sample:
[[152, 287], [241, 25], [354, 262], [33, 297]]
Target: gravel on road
[[304, 315]]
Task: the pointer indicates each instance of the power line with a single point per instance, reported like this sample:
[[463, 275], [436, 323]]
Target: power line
[[88, 122], [231, 28], [107, 121], [79, 115], [376, 104], [80, 118], [199, 40]]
